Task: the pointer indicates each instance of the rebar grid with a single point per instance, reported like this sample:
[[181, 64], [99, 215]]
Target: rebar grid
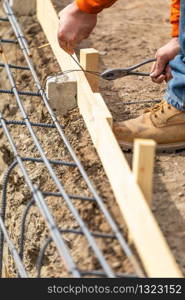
[[38, 196]]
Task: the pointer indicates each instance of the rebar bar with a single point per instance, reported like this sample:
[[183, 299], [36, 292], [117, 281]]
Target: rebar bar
[[53, 175], [22, 123], [22, 234], [83, 198], [8, 41], [3, 208], [4, 19], [14, 67], [101, 274], [64, 253], [25, 48], [23, 93], [18, 263], [49, 240]]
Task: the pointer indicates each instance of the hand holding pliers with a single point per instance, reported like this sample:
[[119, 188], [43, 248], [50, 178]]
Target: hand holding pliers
[[113, 74]]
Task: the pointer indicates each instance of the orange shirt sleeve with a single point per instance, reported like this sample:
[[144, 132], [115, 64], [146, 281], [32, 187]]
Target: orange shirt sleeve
[[174, 18], [94, 6]]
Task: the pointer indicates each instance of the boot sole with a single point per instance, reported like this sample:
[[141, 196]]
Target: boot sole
[[159, 148]]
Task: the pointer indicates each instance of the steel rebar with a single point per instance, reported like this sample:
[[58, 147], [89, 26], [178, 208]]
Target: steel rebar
[[25, 48], [39, 196]]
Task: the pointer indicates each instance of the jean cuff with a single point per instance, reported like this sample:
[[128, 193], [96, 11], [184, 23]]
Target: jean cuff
[[174, 100]]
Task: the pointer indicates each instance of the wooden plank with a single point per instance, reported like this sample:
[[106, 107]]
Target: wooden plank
[[89, 60], [100, 103], [143, 165], [146, 234], [149, 241]]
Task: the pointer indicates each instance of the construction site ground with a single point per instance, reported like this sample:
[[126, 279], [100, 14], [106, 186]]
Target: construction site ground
[[127, 33]]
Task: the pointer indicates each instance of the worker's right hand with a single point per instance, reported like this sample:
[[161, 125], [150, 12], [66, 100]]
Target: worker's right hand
[[161, 70], [75, 25]]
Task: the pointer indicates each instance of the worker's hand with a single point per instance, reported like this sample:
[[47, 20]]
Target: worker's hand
[[161, 70], [75, 25]]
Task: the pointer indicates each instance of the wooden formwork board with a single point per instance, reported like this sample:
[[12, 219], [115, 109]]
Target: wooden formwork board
[[152, 248]]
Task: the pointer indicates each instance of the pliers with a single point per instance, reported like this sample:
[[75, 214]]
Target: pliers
[[113, 74]]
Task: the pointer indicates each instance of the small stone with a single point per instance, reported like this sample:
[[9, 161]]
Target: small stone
[[62, 92], [29, 108], [103, 52], [181, 194], [3, 165], [23, 7], [19, 173], [116, 264], [105, 227]]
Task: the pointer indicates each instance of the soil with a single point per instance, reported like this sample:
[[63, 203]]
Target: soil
[[142, 27], [139, 30]]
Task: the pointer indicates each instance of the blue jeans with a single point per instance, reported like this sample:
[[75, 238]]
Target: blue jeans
[[175, 93]]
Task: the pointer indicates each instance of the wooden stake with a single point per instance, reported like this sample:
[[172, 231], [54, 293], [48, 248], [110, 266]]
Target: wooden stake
[[89, 60], [143, 164]]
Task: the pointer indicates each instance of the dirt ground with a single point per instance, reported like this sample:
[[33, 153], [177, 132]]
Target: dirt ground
[[141, 27], [126, 34]]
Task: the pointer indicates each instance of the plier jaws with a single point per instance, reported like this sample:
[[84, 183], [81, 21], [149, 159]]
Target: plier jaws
[[113, 74]]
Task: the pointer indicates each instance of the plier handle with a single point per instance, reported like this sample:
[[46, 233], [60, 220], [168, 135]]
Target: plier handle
[[113, 74]]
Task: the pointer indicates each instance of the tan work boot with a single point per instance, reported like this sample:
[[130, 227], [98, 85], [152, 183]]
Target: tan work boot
[[162, 123]]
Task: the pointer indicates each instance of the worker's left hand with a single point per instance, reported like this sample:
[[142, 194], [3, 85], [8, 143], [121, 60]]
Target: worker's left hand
[[75, 25]]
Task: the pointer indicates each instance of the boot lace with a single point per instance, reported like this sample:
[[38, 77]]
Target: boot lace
[[158, 108]]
